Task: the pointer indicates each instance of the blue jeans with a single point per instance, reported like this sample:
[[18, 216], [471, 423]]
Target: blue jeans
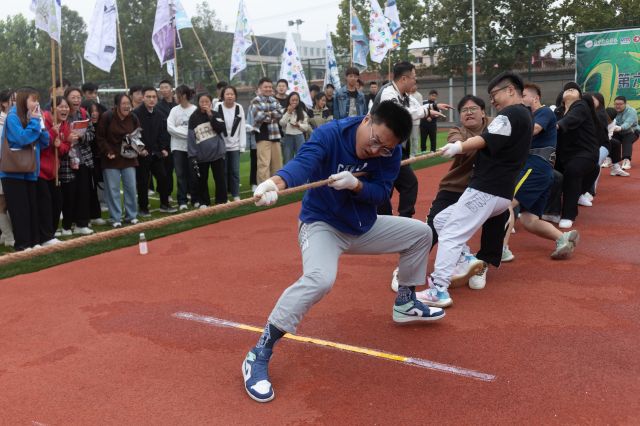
[[232, 166], [185, 177], [290, 146], [112, 179]]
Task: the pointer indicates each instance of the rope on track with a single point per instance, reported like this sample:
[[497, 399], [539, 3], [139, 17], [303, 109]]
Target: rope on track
[[169, 220]]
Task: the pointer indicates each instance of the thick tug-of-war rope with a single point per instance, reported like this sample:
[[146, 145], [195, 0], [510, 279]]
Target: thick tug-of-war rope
[[177, 218]]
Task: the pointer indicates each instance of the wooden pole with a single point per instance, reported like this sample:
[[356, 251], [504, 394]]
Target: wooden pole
[[60, 63], [124, 70], [53, 101], [255, 40], [175, 54], [204, 53]]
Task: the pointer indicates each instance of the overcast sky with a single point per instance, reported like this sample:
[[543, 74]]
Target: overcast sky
[[265, 16]]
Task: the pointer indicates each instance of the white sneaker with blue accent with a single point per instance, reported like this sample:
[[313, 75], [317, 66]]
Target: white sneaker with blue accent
[[256, 376], [435, 297], [467, 266], [415, 311]]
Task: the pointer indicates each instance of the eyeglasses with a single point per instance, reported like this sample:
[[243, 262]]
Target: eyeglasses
[[470, 110], [492, 94], [375, 144]]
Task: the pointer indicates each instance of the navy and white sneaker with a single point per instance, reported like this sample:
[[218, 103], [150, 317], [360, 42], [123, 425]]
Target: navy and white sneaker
[[256, 376], [415, 311]]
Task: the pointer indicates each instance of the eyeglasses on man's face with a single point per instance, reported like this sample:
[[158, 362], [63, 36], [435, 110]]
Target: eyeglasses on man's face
[[470, 110], [376, 145], [493, 93]]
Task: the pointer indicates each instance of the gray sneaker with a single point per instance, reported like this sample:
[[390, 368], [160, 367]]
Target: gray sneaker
[[565, 245], [507, 255]]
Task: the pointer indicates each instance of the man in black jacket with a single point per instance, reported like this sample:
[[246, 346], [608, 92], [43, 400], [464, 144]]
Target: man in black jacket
[[156, 140]]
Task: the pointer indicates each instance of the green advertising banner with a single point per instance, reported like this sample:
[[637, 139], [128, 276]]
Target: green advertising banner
[[609, 62]]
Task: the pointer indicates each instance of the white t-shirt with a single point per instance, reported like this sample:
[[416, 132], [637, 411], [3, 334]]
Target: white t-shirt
[[178, 126]]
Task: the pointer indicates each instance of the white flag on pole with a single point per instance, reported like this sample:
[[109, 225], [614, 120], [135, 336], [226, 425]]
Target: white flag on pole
[[100, 49], [182, 19], [48, 17], [292, 71], [241, 42], [165, 34], [331, 74], [391, 13], [379, 33]]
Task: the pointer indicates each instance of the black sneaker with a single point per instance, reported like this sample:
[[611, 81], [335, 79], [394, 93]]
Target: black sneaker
[[144, 213], [167, 209]]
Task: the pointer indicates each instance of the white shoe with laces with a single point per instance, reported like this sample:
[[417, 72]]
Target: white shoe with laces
[[606, 163], [626, 164], [479, 280], [616, 170]]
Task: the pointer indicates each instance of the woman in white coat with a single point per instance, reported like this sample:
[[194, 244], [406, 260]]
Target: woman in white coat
[[235, 137], [178, 127]]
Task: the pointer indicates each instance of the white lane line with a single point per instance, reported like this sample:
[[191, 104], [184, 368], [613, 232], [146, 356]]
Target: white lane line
[[416, 362]]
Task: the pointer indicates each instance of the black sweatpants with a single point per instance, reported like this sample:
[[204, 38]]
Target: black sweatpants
[[219, 179], [21, 196], [622, 143], [554, 202], [407, 185], [49, 208], [493, 230], [76, 199], [253, 179], [575, 172], [429, 129], [148, 166]]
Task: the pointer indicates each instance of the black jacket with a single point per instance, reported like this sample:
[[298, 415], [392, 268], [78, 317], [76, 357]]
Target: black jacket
[[154, 130], [577, 135]]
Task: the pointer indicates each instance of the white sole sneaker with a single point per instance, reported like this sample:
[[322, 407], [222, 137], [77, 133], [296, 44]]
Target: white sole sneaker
[[475, 268]]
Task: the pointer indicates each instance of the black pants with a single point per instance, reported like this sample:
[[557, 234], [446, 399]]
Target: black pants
[[96, 179], [493, 230], [49, 208], [219, 179], [622, 143], [148, 166], [407, 185], [575, 172], [168, 168], [429, 129], [554, 202], [21, 196], [253, 180], [76, 199]]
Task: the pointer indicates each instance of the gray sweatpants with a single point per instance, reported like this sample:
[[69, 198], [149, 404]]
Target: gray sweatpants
[[456, 225], [321, 247]]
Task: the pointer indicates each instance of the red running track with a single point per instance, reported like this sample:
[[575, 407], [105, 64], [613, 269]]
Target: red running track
[[94, 341]]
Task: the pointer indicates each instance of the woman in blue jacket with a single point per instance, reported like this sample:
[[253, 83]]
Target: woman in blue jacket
[[24, 128]]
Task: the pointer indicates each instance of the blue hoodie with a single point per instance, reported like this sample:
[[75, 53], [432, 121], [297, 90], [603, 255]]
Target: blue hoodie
[[19, 137], [330, 150]]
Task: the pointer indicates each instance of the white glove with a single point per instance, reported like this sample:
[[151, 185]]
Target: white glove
[[616, 129], [343, 180], [450, 150], [267, 192]]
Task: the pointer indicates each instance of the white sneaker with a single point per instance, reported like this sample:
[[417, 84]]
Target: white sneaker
[[117, 224], [196, 205], [589, 196], [66, 232], [57, 234], [551, 218], [584, 201], [51, 242], [626, 164], [83, 230], [236, 198], [469, 266], [616, 170], [98, 221], [394, 280], [565, 223], [479, 280], [203, 206], [507, 255], [183, 207], [606, 163]]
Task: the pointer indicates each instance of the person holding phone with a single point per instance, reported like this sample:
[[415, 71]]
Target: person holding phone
[[23, 129]]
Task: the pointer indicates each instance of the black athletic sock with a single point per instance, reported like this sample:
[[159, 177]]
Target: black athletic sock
[[404, 294], [269, 337]]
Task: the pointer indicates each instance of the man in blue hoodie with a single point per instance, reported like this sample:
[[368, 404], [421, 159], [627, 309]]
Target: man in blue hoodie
[[341, 218]]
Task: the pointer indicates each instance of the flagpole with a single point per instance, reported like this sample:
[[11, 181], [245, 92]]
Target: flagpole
[[175, 54], [350, 39], [204, 53], [53, 101], [60, 62], [255, 40], [124, 70]]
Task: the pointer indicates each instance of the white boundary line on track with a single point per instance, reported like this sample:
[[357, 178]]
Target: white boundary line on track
[[416, 362]]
